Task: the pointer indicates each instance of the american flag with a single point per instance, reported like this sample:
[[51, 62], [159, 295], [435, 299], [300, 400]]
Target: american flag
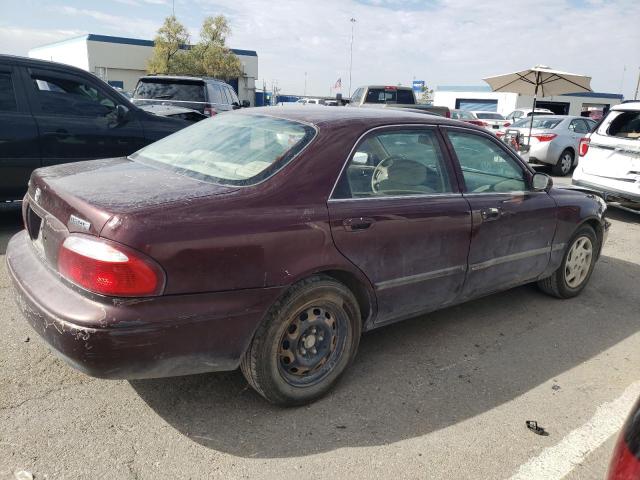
[[338, 83]]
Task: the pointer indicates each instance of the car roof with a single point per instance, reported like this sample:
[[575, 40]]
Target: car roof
[[36, 62], [387, 86], [322, 116], [627, 106], [182, 78]]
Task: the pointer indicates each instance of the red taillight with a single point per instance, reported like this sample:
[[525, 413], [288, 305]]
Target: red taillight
[[624, 464], [391, 88], [499, 134], [447, 114], [210, 111], [479, 123], [105, 268], [506, 125], [544, 137], [584, 146]]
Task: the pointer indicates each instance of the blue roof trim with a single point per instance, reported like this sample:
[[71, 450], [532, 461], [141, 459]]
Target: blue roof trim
[[616, 96], [149, 43]]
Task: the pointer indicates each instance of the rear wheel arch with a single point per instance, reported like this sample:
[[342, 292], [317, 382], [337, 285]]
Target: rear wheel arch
[[597, 227], [363, 293]]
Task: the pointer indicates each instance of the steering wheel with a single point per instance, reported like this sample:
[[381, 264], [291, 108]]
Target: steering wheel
[[381, 171]]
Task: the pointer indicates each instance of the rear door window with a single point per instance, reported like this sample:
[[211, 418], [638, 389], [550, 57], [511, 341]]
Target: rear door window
[[216, 94], [66, 96], [579, 126], [185, 91], [7, 94], [232, 95], [405, 97]]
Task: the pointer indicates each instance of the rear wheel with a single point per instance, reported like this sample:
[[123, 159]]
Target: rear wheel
[[305, 343], [576, 268], [564, 164]]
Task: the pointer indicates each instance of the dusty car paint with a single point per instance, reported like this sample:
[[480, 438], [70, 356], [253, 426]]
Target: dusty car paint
[[229, 252]]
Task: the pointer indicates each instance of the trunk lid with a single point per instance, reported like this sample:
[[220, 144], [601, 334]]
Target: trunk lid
[[83, 196], [613, 158]]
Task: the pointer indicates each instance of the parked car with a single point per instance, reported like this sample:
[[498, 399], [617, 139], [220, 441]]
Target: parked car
[[52, 113], [610, 157], [271, 238], [492, 121], [205, 95], [555, 139], [380, 96], [625, 462], [526, 112]]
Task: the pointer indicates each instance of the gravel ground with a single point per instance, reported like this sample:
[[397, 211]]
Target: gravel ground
[[442, 396]]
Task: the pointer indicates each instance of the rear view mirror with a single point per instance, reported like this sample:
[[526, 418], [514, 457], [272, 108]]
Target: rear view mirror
[[246, 104], [360, 158], [542, 182]]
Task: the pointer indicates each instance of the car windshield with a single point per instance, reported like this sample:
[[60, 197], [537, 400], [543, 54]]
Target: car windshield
[[537, 122], [186, 91], [230, 149], [489, 116]]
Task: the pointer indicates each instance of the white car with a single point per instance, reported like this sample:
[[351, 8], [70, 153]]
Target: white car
[[492, 121], [526, 112], [610, 158]]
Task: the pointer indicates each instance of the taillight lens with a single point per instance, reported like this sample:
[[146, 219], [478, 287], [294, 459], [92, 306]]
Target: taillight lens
[[108, 269], [584, 146], [545, 137], [624, 464], [506, 125], [480, 123]]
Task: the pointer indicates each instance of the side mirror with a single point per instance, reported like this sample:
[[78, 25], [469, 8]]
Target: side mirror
[[235, 105], [542, 182], [122, 113], [360, 158], [246, 103]]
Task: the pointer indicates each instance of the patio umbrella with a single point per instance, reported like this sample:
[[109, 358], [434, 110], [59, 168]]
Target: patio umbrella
[[539, 80]]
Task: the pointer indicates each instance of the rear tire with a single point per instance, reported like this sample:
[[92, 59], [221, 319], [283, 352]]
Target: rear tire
[[564, 164], [576, 267], [305, 342]]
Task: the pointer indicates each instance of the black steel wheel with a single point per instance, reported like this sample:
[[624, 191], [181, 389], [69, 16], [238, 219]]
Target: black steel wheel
[[304, 344]]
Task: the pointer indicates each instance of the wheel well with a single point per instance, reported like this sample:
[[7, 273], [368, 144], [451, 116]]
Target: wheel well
[[598, 228], [360, 291]]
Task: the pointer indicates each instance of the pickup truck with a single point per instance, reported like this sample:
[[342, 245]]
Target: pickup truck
[[393, 97]]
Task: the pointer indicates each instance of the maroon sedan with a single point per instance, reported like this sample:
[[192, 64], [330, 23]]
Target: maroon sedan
[[271, 238]]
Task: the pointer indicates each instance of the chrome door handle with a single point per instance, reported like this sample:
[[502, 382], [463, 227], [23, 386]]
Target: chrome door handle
[[489, 214], [358, 223]]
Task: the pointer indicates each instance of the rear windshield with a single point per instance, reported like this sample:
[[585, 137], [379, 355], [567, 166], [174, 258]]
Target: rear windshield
[[384, 95], [170, 90], [461, 115], [537, 122], [230, 148], [489, 116], [625, 125]]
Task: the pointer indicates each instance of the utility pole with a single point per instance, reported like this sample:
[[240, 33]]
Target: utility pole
[[353, 22], [305, 84], [173, 8], [635, 96]]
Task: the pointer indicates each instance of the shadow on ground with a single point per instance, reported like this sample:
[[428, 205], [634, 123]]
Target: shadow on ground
[[10, 223], [414, 377]]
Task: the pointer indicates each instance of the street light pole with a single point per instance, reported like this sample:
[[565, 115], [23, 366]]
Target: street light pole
[[353, 22]]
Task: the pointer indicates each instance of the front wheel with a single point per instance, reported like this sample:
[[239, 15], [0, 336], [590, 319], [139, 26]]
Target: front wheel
[[576, 268], [305, 343]]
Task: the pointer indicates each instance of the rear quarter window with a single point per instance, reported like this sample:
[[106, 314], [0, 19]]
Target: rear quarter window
[[7, 95]]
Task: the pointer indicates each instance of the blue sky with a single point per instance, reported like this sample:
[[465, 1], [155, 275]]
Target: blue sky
[[445, 42]]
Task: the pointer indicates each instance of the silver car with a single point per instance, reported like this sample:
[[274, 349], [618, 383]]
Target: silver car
[[555, 139]]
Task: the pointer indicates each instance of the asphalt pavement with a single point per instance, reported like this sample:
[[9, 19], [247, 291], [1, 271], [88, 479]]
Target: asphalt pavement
[[444, 396]]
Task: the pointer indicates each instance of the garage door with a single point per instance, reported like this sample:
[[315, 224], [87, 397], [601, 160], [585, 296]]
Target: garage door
[[470, 105]]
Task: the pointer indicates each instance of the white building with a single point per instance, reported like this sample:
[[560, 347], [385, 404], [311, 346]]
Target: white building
[[122, 61], [482, 98]]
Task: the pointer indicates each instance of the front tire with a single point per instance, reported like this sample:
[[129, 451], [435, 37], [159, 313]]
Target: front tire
[[576, 267], [564, 164], [305, 343]]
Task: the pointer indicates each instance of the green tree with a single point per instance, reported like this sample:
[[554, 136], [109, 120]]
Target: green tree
[[210, 56], [169, 54], [427, 95]]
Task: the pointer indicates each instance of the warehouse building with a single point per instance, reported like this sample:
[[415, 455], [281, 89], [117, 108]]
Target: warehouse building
[[481, 98], [122, 61]]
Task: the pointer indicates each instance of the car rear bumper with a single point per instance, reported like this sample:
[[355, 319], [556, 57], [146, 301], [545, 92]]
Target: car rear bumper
[[617, 197], [135, 338]]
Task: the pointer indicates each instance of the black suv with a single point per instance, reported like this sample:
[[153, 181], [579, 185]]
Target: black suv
[[52, 113], [206, 95]]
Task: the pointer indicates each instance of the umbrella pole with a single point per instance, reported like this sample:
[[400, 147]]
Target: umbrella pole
[[533, 111]]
